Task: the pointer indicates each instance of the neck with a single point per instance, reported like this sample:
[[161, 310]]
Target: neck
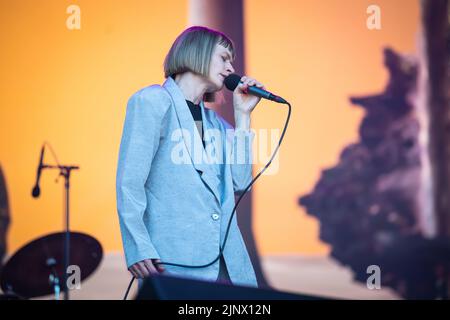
[[192, 85]]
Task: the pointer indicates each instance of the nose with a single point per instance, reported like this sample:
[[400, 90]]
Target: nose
[[230, 68]]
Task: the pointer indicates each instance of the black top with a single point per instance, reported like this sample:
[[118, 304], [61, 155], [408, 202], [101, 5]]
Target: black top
[[196, 112]]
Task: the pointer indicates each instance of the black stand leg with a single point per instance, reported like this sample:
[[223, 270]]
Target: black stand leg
[[65, 172]]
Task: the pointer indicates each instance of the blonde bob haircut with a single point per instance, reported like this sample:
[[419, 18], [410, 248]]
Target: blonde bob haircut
[[192, 51]]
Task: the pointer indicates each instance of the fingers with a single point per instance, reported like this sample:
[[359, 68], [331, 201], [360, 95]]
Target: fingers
[[150, 268], [133, 273], [158, 266], [142, 269], [145, 268], [136, 271], [248, 82]]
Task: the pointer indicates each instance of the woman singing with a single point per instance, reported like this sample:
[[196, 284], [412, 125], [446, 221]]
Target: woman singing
[[180, 165]]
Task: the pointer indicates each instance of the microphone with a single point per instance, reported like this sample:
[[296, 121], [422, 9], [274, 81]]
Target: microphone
[[36, 190], [233, 80]]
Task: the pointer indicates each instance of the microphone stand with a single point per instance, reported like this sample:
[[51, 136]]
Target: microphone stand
[[65, 172]]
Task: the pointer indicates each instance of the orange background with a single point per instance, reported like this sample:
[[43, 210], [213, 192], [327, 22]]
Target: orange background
[[71, 87]]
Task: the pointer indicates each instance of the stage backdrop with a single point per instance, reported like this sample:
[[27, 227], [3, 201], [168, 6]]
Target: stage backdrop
[[70, 87]]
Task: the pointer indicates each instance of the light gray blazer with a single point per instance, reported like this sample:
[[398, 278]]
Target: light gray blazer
[[174, 198]]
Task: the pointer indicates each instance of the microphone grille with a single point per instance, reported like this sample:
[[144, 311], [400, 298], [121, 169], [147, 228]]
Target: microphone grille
[[232, 81], [36, 192]]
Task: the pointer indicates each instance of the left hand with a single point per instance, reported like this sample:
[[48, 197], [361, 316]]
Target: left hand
[[242, 102]]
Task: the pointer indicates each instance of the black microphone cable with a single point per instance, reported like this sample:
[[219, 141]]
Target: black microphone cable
[[232, 213]]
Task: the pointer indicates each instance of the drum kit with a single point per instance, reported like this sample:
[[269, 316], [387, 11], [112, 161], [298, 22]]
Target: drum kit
[[44, 266], [37, 269]]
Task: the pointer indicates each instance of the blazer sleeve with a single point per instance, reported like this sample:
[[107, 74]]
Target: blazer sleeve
[[145, 115], [240, 142]]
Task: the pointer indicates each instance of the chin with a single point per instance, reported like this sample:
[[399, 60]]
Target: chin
[[216, 86], [221, 83]]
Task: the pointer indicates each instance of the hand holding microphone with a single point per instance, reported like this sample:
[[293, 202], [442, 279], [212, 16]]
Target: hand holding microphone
[[249, 86], [243, 102]]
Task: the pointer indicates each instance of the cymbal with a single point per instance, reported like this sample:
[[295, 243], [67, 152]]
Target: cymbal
[[28, 272]]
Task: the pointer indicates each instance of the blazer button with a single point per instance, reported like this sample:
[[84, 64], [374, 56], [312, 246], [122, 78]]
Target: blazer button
[[215, 216]]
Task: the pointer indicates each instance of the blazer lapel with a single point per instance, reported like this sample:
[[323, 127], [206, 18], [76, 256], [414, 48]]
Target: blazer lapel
[[199, 157], [212, 148]]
